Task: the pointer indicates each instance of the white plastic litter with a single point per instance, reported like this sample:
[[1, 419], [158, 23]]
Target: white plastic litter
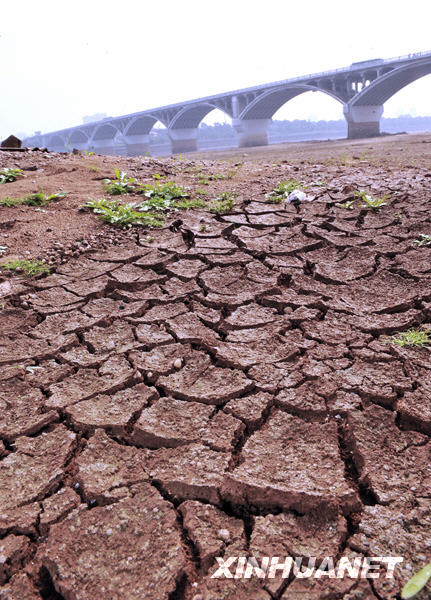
[[297, 196]]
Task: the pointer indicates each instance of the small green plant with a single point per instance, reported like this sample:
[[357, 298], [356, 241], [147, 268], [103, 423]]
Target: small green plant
[[348, 204], [120, 185], [201, 192], [419, 338], [282, 190], [9, 175], [424, 240], [9, 202], [416, 583], [370, 202], [27, 267], [203, 180], [88, 153], [36, 199], [127, 215], [223, 203], [166, 196], [157, 176]]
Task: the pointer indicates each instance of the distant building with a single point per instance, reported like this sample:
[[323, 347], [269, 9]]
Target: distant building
[[95, 117]]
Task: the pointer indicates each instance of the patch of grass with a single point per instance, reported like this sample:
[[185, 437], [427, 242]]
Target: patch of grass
[[370, 202], [223, 203], [418, 338], [200, 192], [36, 199], [122, 184], [424, 240], [8, 175], [9, 202], [114, 213], [93, 168], [27, 267], [282, 190]]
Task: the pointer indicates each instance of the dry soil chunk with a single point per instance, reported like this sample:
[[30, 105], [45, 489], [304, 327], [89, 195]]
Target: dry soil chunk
[[415, 409], [283, 535], [171, 423], [21, 410], [132, 550], [250, 409], [161, 360], [19, 587], [113, 413], [199, 380], [57, 507], [396, 530], [13, 550], [378, 381], [191, 472], [106, 469], [250, 315], [118, 338], [391, 463], [86, 383], [35, 468], [291, 464], [212, 532]]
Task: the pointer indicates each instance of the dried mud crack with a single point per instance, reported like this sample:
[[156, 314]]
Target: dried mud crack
[[168, 398]]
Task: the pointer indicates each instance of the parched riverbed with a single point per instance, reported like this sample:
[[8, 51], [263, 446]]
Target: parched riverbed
[[227, 385]]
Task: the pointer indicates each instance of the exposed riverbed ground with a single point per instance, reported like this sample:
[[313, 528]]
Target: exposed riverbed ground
[[226, 385]]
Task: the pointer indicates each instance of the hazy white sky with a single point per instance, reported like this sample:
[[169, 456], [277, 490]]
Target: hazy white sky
[[60, 61]]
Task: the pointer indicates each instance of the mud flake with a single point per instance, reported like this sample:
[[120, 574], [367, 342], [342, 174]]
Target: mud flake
[[56, 507], [192, 472], [113, 413], [391, 463], [35, 468], [105, 469], [291, 464], [212, 532], [133, 550], [199, 380]]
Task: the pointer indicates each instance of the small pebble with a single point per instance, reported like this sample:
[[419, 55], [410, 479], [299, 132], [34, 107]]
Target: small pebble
[[178, 363], [224, 535]]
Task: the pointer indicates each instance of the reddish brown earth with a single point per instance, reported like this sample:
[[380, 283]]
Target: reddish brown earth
[[229, 393]]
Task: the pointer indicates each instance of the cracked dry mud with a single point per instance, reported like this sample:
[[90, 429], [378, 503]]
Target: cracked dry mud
[[233, 397]]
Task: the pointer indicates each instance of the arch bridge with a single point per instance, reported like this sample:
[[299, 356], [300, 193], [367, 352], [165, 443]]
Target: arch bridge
[[362, 89]]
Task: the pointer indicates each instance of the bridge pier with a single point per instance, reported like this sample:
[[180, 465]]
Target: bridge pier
[[362, 121], [183, 140], [251, 132], [137, 145]]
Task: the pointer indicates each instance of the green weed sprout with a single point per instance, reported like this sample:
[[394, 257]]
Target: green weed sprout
[[28, 267], [416, 583], [282, 190], [348, 204], [425, 240], [166, 196], [419, 338], [370, 202], [118, 214], [120, 185], [223, 203], [8, 175]]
